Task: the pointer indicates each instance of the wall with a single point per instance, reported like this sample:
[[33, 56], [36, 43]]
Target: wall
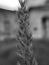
[[14, 25], [34, 3], [36, 24]]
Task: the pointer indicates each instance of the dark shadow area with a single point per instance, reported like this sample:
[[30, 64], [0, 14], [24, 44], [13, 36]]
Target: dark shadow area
[[41, 48], [8, 52]]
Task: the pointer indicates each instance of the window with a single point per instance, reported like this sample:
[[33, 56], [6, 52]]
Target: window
[[44, 25], [45, 22], [7, 26]]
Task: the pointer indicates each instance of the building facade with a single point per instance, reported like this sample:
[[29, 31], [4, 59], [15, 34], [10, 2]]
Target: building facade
[[38, 18], [9, 25], [39, 23]]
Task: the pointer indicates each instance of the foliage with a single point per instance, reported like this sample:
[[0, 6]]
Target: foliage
[[25, 50]]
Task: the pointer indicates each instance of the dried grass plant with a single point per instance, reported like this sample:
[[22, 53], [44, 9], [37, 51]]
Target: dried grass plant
[[25, 45]]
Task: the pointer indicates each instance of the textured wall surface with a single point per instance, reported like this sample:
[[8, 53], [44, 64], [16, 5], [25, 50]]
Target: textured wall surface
[[8, 23], [36, 23]]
